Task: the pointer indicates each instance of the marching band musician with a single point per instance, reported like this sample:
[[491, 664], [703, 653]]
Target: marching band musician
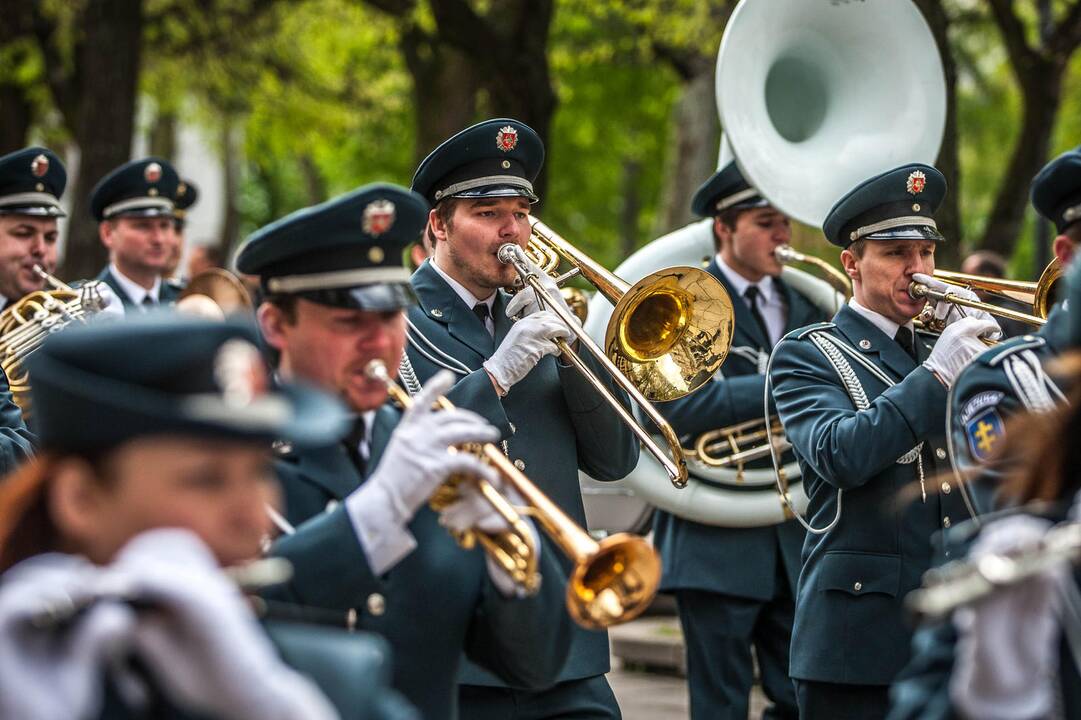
[[735, 587], [1013, 653], [360, 533], [1011, 377], [863, 400], [552, 421], [153, 476], [134, 207]]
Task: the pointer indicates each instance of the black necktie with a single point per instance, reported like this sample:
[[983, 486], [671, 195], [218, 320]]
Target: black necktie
[[483, 312], [906, 341], [751, 294], [148, 302], [357, 435]]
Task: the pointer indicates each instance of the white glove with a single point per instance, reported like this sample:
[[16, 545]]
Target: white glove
[[949, 312], [529, 340], [1008, 646], [525, 303], [204, 645], [416, 461], [957, 346], [472, 511]]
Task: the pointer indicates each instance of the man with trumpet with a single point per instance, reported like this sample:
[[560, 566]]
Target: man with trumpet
[[1012, 377], [552, 422], [358, 528], [735, 587], [863, 402]]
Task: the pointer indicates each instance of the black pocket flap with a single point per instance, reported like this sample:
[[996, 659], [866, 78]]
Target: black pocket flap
[[860, 573]]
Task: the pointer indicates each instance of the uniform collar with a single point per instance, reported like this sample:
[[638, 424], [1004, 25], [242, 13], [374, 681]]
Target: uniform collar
[[767, 288], [460, 290], [134, 290], [883, 323]]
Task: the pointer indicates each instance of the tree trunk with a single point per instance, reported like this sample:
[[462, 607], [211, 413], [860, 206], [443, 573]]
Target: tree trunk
[[693, 158], [15, 118], [107, 67], [444, 90], [948, 217], [16, 112], [1041, 90], [163, 136], [228, 237]]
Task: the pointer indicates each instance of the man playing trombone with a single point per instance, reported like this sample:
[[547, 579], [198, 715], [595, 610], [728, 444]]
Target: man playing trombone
[[359, 530], [1011, 377], [735, 587], [552, 421], [863, 401]]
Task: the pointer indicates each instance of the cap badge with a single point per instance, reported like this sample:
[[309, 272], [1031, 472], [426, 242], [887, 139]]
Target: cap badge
[[507, 138], [240, 373], [152, 173], [916, 182], [378, 217], [39, 166], [181, 190]]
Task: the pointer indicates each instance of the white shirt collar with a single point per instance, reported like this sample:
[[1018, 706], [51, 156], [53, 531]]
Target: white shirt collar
[[134, 290], [881, 322], [767, 289], [460, 290]]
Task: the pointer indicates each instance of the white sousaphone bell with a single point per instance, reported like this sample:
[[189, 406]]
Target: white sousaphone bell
[[814, 96]]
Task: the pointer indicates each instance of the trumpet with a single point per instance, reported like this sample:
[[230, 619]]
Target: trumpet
[[668, 334], [738, 444], [1039, 295], [612, 581]]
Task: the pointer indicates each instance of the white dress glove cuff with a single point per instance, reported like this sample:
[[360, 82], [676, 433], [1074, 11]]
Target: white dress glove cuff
[[380, 527]]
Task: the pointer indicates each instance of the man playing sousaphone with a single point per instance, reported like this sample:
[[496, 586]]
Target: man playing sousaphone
[[735, 587], [863, 402]]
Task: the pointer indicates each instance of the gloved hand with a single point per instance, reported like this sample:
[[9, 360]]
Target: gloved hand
[[472, 511], [525, 302], [949, 312], [529, 340], [417, 461], [1008, 645], [957, 346], [200, 638]]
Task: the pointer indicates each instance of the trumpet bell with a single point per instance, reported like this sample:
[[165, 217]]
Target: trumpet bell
[[615, 584], [670, 332]]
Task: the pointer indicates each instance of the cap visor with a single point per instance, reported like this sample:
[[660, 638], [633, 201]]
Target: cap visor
[[376, 298], [497, 191], [907, 232], [34, 210]]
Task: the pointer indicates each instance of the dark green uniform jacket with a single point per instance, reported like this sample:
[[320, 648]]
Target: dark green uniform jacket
[[432, 605], [849, 626], [553, 423], [167, 294], [732, 561]]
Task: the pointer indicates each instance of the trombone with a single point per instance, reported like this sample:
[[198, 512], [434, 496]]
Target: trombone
[[668, 334], [738, 444], [1040, 295], [612, 581]]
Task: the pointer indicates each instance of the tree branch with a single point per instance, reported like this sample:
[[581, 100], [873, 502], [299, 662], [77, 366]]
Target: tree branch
[[462, 28], [1067, 35], [394, 8], [1013, 34]]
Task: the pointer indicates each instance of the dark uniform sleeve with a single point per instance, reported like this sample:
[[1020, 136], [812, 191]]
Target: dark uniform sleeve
[[844, 446], [525, 641], [607, 449], [17, 443], [719, 404], [330, 569], [922, 691], [476, 392]]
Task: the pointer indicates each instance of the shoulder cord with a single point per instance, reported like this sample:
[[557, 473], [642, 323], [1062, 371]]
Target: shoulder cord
[[410, 381], [1029, 381], [447, 362]]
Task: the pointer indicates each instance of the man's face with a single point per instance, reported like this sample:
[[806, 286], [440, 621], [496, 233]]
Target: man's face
[[466, 247], [881, 277], [331, 347], [140, 245], [748, 247], [25, 241]]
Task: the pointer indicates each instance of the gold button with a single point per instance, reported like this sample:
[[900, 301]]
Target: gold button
[[520, 464], [376, 254], [940, 454], [946, 488], [40, 187], [858, 586], [946, 521], [377, 604]]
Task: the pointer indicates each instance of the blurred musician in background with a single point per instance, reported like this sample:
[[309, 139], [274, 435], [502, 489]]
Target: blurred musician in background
[[735, 587], [863, 402], [358, 526]]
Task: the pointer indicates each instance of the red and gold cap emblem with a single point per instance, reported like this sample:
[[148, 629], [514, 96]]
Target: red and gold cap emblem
[[378, 217], [917, 181], [39, 166], [152, 173], [507, 138]]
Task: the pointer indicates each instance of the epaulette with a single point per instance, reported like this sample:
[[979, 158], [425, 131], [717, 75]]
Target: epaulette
[[1011, 347], [803, 332]]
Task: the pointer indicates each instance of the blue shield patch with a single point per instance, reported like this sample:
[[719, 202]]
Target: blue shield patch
[[985, 432]]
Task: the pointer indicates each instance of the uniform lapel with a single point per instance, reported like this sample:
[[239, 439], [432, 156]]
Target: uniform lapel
[[873, 343], [746, 326], [440, 303], [386, 418], [106, 276], [499, 315], [330, 468], [799, 311]]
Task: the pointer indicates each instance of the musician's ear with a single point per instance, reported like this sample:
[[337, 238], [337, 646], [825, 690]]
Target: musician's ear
[[272, 320], [76, 500], [850, 261]]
